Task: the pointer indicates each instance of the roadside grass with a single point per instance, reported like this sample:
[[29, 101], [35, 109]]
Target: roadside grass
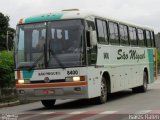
[[8, 99]]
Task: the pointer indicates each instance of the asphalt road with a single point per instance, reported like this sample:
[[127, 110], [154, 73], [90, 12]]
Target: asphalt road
[[123, 105]]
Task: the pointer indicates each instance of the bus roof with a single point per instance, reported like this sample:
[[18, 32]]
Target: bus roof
[[73, 14]]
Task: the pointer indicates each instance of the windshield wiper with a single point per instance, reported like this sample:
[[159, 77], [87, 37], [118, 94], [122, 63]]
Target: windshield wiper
[[55, 57], [37, 60]]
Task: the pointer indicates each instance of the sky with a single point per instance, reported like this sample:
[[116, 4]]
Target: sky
[[141, 12]]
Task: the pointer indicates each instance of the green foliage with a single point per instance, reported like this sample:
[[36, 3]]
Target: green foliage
[[4, 23], [4, 29], [158, 57], [6, 69], [11, 33]]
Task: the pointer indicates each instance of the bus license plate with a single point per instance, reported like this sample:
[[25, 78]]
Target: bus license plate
[[48, 92]]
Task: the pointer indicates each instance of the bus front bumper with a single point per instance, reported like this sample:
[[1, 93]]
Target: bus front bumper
[[52, 91]]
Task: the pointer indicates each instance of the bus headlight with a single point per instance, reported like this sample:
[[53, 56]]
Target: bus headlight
[[75, 79], [20, 81]]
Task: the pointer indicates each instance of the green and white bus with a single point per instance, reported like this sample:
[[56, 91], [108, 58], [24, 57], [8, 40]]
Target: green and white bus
[[76, 54]]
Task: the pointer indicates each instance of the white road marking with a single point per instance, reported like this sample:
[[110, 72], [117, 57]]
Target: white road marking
[[66, 115], [143, 112], [46, 113], [72, 114], [77, 112], [108, 112], [100, 115]]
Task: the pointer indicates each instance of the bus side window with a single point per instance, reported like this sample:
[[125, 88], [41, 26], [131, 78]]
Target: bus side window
[[102, 31], [90, 24], [148, 38], [133, 36], [152, 39], [141, 42], [113, 33], [124, 38]]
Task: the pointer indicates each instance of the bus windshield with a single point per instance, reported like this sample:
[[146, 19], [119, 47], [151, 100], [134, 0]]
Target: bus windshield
[[56, 44]]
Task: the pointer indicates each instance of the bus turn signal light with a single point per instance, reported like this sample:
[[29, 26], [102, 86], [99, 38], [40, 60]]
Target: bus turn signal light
[[20, 81], [75, 79]]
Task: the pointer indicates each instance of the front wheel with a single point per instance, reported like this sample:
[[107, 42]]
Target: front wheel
[[103, 98], [48, 103]]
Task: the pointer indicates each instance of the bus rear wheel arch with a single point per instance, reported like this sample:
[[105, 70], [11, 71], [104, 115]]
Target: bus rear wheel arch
[[144, 86]]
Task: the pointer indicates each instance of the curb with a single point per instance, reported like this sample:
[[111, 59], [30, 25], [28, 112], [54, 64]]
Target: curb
[[17, 102], [9, 104]]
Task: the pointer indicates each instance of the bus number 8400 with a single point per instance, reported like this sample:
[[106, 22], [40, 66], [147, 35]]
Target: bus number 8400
[[72, 72]]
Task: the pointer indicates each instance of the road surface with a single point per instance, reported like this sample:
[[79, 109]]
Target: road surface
[[123, 105]]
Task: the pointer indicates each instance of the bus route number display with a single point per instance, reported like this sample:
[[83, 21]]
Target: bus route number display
[[72, 72]]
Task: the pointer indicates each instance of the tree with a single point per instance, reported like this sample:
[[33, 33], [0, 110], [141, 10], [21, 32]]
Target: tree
[[6, 69], [10, 36], [6, 33], [157, 38], [4, 23], [6, 58]]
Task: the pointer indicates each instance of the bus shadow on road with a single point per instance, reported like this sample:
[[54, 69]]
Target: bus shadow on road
[[82, 103], [74, 104], [86, 103], [124, 95], [120, 95]]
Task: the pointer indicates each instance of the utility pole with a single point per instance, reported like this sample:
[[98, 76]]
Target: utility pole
[[7, 41]]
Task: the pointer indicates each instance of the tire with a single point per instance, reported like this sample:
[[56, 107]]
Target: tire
[[48, 103], [103, 98], [144, 87]]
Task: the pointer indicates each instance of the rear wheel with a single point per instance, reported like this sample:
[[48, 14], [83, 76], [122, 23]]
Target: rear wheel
[[103, 98], [48, 103], [142, 88]]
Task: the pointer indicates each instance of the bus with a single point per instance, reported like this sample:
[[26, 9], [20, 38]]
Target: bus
[[75, 54]]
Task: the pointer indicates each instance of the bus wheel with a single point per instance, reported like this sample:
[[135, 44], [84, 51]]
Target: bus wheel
[[142, 88], [48, 103], [103, 98]]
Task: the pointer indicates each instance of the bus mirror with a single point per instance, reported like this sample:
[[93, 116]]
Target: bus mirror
[[91, 38], [88, 36]]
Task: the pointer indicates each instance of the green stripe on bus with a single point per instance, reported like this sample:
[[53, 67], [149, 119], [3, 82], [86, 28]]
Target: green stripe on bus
[[151, 63], [43, 18], [27, 74]]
